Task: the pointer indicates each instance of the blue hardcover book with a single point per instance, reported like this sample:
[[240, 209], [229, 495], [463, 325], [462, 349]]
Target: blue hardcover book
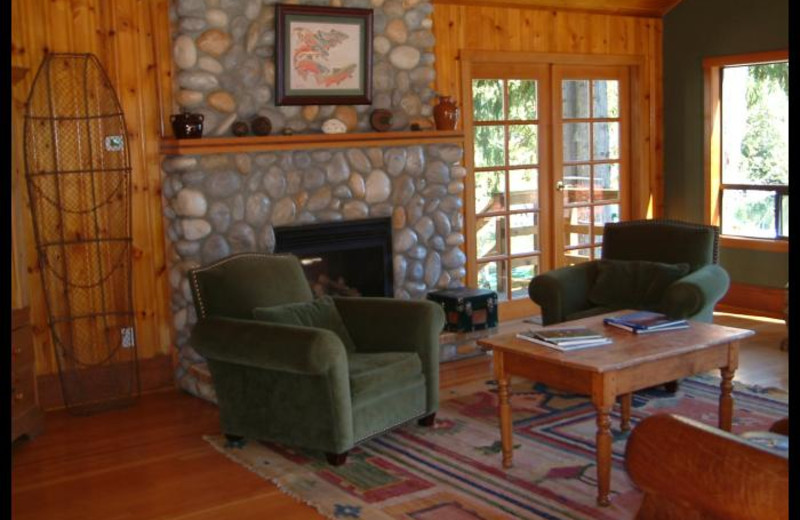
[[645, 321]]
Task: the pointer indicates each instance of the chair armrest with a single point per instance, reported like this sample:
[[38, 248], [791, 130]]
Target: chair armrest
[[695, 295], [563, 291], [271, 346], [685, 467]]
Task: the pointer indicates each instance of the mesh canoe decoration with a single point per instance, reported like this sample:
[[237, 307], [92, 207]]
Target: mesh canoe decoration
[[78, 173]]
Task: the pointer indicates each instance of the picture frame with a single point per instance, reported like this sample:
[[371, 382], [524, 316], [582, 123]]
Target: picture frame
[[323, 55]]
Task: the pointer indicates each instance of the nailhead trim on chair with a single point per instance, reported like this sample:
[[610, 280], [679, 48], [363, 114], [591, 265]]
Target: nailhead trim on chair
[[193, 272]]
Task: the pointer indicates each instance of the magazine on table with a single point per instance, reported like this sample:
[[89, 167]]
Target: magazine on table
[[564, 342], [563, 335], [642, 322]]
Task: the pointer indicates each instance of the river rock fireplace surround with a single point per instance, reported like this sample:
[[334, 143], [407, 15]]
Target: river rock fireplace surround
[[224, 203], [224, 195]]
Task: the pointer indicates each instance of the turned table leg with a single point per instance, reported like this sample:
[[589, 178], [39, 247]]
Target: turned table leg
[[603, 441], [625, 409], [726, 399], [505, 421]]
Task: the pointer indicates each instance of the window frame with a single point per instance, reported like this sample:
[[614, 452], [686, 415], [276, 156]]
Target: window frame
[[712, 97]]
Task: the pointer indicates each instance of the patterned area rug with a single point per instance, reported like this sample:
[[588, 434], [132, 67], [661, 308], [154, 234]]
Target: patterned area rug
[[453, 470]]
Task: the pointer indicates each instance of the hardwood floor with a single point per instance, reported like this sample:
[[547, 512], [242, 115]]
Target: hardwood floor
[[761, 361], [150, 461]]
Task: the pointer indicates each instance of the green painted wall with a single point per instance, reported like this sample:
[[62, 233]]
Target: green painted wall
[[693, 30]]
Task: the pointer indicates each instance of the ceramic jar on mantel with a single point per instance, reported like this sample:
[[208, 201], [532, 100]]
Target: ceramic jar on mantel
[[187, 126], [445, 114]]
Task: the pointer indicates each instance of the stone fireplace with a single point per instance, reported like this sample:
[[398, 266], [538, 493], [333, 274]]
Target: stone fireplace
[[241, 195]]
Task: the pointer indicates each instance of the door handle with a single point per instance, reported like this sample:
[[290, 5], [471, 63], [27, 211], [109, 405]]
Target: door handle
[[560, 186]]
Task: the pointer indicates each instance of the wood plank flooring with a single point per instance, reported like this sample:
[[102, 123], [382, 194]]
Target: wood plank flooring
[[149, 462]]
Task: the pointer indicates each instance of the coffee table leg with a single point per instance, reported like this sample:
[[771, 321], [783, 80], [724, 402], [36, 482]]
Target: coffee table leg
[[603, 454], [505, 421], [726, 400], [625, 406]]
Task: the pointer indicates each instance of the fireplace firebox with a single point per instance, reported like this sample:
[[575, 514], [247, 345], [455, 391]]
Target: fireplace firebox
[[343, 258]]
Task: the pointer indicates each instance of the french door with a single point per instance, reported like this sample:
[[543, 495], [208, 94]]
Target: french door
[[548, 152], [590, 159]]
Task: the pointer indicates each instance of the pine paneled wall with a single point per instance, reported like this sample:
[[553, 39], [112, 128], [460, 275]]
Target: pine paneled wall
[[125, 36], [463, 26], [132, 40]]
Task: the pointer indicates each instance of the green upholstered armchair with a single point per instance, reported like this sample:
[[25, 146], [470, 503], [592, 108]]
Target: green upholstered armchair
[[659, 265], [320, 374]]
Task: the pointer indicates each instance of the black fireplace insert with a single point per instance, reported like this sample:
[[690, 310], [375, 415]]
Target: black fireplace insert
[[343, 258]]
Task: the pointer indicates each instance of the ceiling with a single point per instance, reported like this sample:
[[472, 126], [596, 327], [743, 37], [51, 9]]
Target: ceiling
[[651, 8]]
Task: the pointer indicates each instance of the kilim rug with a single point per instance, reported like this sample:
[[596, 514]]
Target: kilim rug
[[453, 471]]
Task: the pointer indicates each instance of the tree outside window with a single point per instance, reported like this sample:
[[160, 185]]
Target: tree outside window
[[754, 187]]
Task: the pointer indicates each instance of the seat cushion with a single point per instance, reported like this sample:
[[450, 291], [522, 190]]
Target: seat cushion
[[375, 373], [633, 283], [320, 313]]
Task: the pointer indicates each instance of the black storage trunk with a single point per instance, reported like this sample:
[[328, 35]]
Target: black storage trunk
[[467, 309]]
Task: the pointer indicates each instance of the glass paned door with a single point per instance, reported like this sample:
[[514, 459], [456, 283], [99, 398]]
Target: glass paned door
[[507, 161], [590, 156], [549, 167]]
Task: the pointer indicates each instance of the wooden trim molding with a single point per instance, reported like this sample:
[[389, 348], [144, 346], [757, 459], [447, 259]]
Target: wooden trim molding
[[712, 143], [155, 373], [750, 58], [754, 299], [209, 145], [774, 246], [558, 58], [643, 8], [712, 129]]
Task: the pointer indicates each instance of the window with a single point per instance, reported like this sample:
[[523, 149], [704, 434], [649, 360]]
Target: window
[[747, 148]]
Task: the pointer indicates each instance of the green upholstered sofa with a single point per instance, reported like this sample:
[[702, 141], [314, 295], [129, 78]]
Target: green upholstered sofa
[[320, 374], [659, 265]]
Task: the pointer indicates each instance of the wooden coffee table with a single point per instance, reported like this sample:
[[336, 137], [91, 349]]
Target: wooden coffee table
[[631, 363]]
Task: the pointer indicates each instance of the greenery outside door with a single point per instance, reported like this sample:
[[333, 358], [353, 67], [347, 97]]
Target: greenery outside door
[[547, 147], [590, 160]]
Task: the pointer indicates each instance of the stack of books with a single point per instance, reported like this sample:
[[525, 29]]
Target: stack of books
[[642, 322], [565, 339]]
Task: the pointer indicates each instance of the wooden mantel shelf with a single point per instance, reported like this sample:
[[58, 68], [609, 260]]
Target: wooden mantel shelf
[[209, 145]]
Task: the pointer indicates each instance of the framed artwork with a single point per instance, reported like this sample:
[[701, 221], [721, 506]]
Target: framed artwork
[[324, 55]]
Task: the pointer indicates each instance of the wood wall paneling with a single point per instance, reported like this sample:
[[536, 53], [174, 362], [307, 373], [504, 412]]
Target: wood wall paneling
[[647, 8], [128, 36], [132, 40], [20, 292], [463, 27], [744, 298]]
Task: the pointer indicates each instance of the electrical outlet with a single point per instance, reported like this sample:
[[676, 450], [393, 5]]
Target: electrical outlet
[[128, 339], [114, 143]]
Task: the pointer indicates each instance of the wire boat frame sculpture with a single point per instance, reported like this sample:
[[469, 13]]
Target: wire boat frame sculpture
[[78, 174]]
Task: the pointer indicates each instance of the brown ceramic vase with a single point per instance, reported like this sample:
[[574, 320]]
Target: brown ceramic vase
[[445, 114]]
